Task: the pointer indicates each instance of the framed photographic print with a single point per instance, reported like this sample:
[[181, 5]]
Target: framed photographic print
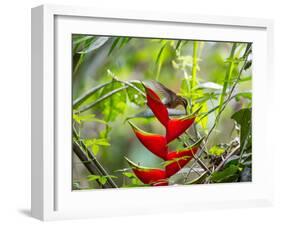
[[137, 112]]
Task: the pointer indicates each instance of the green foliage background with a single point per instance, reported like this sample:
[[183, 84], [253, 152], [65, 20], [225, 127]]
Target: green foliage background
[[214, 75]]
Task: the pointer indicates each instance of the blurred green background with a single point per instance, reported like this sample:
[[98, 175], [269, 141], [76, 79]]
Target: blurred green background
[[96, 60]]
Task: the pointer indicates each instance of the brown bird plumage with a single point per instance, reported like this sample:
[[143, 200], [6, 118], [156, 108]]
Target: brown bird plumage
[[172, 100]]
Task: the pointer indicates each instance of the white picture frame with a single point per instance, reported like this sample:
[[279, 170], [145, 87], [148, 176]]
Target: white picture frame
[[52, 197]]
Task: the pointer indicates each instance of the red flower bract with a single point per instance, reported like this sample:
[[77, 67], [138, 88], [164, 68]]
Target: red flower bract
[[176, 165], [157, 107], [181, 153], [157, 144], [178, 126], [178, 159], [153, 142], [152, 176]]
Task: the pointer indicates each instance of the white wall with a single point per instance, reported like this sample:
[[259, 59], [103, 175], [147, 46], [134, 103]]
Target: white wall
[[15, 111]]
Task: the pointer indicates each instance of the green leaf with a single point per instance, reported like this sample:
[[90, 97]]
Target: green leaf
[[245, 161], [78, 40], [244, 119], [210, 85], [110, 176], [233, 160], [97, 43], [114, 44], [184, 89], [80, 61], [129, 175], [204, 121], [102, 142], [229, 174], [228, 75], [93, 177], [87, 118], [195, 66], [134, 96], [102, 180], [95, 143], [134, 180], [159, 60], [124, 41], [116, 104], [95, 149], [246, 95], [92, 141], [104, 133], [89, 96], [76, 118], [178, 44], [216, 150]]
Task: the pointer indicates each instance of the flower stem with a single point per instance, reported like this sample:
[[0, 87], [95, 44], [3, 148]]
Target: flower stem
[[194, 65], [228, 75]]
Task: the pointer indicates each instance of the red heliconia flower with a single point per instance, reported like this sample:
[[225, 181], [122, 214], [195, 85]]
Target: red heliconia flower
[[191, 150], [178, 159], [174, 126], [176, 165], [157, 107], [153, 142], [152, 176], [158, 144], [177, 126]]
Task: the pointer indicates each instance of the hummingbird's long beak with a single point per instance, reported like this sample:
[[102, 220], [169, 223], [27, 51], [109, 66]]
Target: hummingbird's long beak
[[185, 107]]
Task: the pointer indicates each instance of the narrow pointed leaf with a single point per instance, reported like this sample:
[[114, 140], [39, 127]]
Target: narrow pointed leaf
[[95, 45]]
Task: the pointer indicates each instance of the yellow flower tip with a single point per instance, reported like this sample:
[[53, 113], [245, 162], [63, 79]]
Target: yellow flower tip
[[192, 115], [134, 127], [136, 166], [138, 130], [130, 162]]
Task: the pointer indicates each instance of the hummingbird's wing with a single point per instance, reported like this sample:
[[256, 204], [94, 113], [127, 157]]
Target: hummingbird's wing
[[166, 92]]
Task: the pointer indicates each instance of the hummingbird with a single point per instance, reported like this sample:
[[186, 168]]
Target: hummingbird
[[171, 99]]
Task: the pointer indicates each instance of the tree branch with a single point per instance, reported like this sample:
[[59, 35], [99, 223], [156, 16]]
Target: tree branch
[[87, 107], [246, 54], [226, 158], [82, 98], [93, 166]]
